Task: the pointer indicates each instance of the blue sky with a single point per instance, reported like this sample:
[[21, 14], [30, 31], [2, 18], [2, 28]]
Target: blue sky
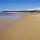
[[18, 4]]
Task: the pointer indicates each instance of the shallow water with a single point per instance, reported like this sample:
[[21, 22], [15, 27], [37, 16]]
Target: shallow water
[[11, 16]]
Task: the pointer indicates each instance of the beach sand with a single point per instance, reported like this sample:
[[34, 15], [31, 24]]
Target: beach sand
[[27, 28]]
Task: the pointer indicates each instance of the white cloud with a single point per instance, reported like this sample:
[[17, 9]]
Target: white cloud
[[34, 9]]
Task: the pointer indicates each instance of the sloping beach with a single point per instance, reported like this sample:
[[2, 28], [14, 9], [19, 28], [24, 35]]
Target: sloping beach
[[27, 28]]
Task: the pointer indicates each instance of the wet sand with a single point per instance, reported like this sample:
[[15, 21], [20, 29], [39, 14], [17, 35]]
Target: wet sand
[[27, 28], [7, 28]]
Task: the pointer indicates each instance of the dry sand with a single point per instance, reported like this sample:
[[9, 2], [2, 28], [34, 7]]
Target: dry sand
[[27, 28]]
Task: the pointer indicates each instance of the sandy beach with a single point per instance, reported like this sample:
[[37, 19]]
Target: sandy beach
[[27, 28]]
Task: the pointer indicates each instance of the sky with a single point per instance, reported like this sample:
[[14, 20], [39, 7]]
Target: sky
[[19, 4]]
